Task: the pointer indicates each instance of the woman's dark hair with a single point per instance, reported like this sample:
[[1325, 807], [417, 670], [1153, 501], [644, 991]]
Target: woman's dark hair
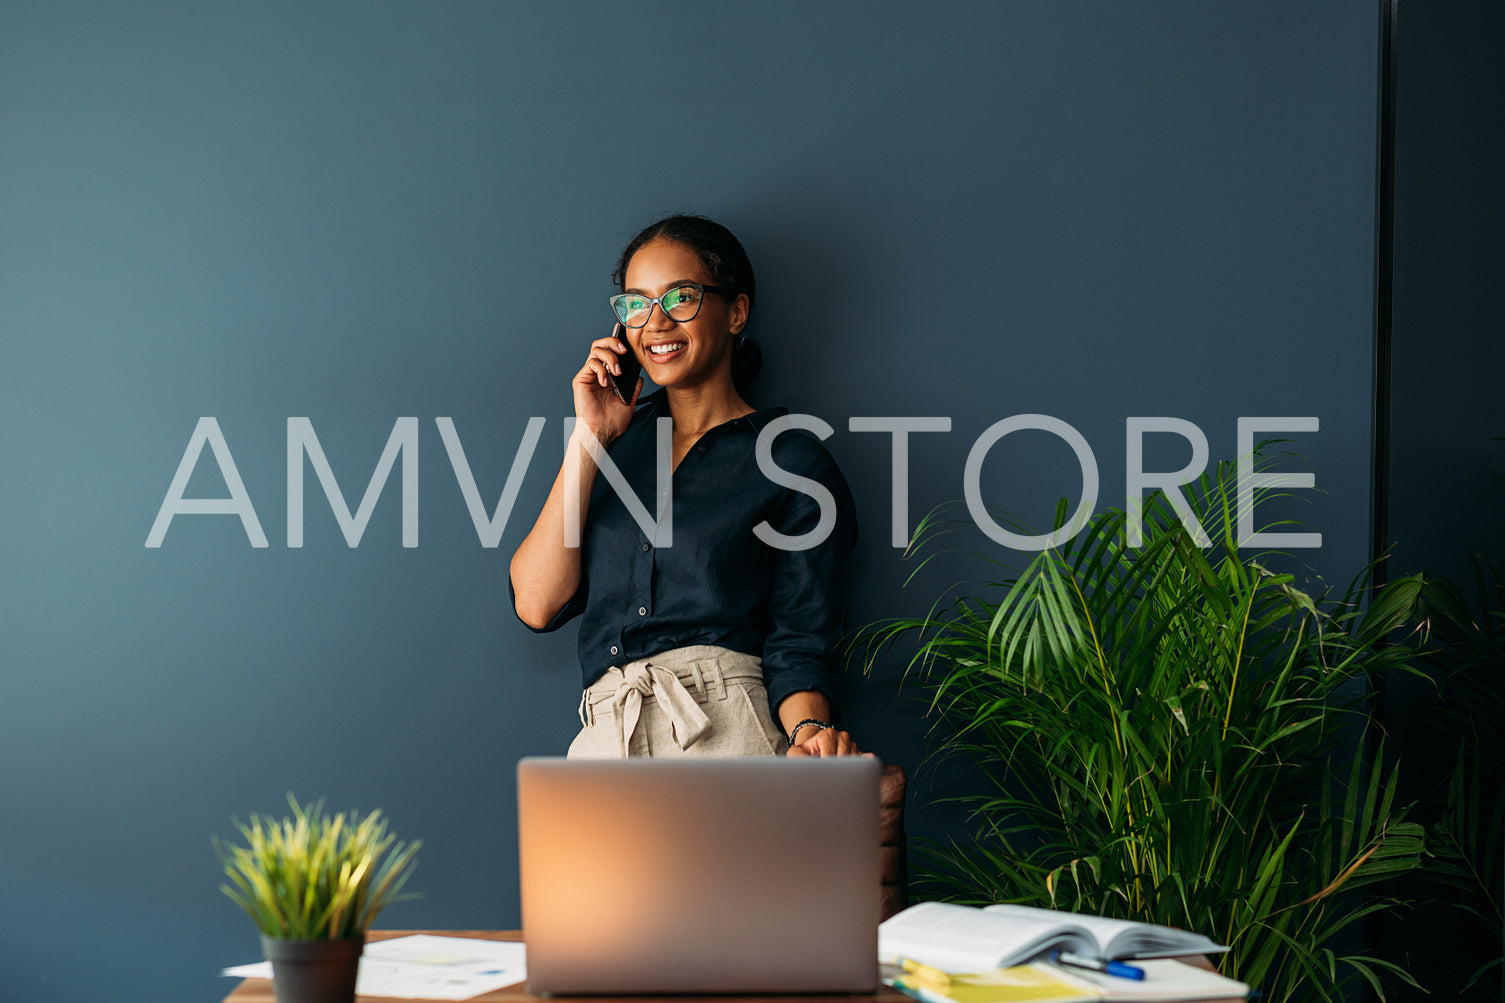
[[723, 256]]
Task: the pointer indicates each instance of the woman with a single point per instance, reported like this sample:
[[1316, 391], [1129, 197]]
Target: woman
[[716, 643]]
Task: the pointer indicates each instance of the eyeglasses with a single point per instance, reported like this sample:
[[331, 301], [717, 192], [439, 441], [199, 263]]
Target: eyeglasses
[[681, 303]]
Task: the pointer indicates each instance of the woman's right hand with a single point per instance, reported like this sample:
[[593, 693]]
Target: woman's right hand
[[596, 403]]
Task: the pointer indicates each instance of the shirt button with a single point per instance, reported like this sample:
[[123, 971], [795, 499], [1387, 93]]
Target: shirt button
[[646, 548], [701, 447], [613, 649], [642, 611]]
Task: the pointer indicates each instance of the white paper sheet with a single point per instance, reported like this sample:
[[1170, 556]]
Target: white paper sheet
[[427, 967]]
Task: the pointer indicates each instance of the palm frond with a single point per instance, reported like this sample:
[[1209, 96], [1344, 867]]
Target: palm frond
[[1155, 725]]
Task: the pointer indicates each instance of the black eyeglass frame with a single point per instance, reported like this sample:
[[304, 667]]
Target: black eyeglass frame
[[658, 301]]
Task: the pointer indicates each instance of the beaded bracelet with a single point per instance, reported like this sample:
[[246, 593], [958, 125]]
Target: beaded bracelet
[[793, 732]]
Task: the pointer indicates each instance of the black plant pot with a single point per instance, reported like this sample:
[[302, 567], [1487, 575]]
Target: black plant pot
[[314, 971]]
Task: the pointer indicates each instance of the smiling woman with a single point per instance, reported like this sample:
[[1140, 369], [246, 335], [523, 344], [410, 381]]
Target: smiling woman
[[718, 644]]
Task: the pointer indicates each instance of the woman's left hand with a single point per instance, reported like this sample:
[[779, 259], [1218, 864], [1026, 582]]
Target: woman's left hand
[[826, 742]]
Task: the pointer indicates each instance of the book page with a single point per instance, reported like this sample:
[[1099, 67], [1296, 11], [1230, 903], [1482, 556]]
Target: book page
[[1164, 980], [1103, 930], [961, 939], [1117, 937]]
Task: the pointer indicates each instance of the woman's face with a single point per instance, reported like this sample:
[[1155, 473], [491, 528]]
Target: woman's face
[[682, 353]]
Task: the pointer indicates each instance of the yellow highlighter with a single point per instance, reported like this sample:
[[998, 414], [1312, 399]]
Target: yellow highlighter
[[924, 974], [1022, 984]]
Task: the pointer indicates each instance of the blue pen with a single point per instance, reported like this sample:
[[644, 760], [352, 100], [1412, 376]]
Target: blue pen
[[1115, 968]]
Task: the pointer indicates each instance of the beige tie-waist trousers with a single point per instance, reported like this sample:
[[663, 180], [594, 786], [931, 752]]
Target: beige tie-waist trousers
[[700, 700]]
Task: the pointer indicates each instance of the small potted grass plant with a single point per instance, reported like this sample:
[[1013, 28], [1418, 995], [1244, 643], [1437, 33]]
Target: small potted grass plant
[[313, 884]]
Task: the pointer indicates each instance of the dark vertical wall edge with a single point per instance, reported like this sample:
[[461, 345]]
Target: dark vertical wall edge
[[1384, 279]]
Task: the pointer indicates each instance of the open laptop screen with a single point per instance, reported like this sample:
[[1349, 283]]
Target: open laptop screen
[[699, 875]]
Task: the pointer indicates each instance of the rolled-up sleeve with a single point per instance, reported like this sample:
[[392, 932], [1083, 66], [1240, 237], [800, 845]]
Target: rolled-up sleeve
[[807, 589], [572, 608]]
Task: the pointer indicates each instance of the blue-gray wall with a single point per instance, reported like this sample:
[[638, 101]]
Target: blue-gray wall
[[357, 213]]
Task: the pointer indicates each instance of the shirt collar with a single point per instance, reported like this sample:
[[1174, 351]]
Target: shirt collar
[[659, 402]]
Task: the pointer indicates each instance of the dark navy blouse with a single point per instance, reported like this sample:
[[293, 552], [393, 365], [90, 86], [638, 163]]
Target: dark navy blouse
[[717, 582]]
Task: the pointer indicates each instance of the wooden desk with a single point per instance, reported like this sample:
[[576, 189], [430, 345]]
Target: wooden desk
[[260, 990]]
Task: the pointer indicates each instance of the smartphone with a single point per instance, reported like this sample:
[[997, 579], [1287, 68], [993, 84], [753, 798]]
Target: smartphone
[[626, 383]]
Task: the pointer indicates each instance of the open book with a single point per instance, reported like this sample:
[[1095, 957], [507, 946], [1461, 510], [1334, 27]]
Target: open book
[[961, 939]]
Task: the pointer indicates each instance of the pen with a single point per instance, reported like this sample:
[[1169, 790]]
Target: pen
[[1114, 968], [905, 988]]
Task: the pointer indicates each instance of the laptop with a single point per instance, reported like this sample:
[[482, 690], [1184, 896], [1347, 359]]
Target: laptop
[[699, 875]]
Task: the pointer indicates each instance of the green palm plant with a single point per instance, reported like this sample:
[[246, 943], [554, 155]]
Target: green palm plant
[[1157, 727], [314, 876]]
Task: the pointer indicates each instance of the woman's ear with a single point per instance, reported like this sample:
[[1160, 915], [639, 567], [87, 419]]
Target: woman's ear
[[737, 313]]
